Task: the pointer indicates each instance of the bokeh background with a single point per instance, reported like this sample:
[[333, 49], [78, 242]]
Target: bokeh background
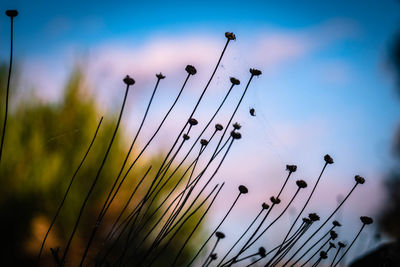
[[327, 87]]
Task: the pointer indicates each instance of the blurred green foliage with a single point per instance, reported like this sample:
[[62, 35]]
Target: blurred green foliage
[[44, 144]]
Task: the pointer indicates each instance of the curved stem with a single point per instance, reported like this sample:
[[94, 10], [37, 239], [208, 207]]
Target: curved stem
[[66, 192], [95, 180], [7, 90], [347, 250]]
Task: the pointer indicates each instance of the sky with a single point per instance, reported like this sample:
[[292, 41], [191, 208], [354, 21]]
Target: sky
[[326, 86]]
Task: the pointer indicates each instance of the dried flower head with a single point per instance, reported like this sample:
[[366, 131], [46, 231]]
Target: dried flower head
[[160, 76], [230, 36], [236, 126], [243, 189], [313, 217], [220, 235], [306, 220], [328, 159], [359, 179], [366, 220], [191, 70], [265, 206], [262, 252], [291, 168], [218, 127], [193, 121], [213, 256], [252, 112], [341, 245], [336, 223], [331, 245], [275, 200], [255, 72], [333, 234], [323, 255], [236, 135], [203, 142], [12, 13], [128, 80], [186, 137], [301, 183], [234, 81]]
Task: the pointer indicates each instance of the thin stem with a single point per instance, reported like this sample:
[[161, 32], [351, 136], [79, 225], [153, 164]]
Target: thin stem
[[216, 228], [211, 252], [7, 89], [66, 192], [96, 178], [305, 205], [310, 248], [354, 240], [337, 253], [245, 232], [323, 224], [321, 247]]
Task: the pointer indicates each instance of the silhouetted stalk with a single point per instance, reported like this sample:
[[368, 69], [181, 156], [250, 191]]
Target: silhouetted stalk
[[108, 201], [128, 81], [323, 224], [235, 110], [109, 236], [317, 262], [347, 250], [245, 232], [198, 195], [11, 14], [254, 262], [178, 229], [219, 225], [310, 248], [195, 228], [66, 192], [337, 253], [155, 133], [276, 219], [313, 255], [211, 252], [305, 205], [282, 252], [247, 257]]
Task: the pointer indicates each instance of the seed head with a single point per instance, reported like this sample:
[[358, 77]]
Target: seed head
[[291, 168], [186, 137], [236, 135], [341, 245], [359, 179], [191, 70], [218, 127], [255, 72], [203, 142], [333, 234], [313, 217], [193, 121], [262, 252], [213, 256], [243, 189], [366, 220], [220, 235], [12, 13], [265, 206], [160, 76], [332, 245], [235, 81], [128, 80], [236, 126], [328, 159], [252, 112], [230, 36], [323, 255], [306, 220], [301, 183], [275, 200], [336, 223]]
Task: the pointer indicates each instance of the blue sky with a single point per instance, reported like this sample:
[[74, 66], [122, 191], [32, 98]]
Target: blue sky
[[326, 87]]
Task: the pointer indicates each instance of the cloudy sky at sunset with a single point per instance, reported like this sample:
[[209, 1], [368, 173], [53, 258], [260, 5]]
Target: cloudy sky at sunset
[[326, 85]]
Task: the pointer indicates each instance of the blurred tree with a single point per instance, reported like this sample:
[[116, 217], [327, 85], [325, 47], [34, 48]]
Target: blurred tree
[[44, 145]]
